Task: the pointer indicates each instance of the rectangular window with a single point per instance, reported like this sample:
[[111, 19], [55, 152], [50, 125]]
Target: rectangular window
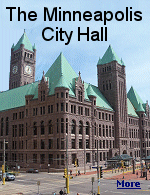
[[34, 158], [73, 143], [71, 108], [51, 159], [42, 158], [57, 107], [99, 115], [42, 144], [66, 107], [62, 159], [66, 95], [34, 144], [62, 107], [62, 143], [51, 108], [87, 157], [57, 143], [62, 94], [80, 143], [50, 144], [48, 109], [43, 109], [33, 111], [74, 109], [87, 143]]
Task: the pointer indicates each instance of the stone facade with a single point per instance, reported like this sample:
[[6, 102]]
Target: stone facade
[[40, 132]]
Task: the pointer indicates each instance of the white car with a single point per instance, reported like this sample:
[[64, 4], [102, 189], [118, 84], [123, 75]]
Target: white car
[[9, 177]]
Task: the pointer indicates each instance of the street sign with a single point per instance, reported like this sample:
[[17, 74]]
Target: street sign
[[38, 183]]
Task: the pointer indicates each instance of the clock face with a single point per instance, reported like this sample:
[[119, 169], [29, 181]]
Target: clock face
[[15, 69], [28, 69]]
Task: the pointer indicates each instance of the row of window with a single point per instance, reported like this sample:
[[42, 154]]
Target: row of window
[[133, 121], [134, 133]]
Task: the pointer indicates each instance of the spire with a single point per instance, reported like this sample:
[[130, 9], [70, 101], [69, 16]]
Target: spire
[[25, 41], [122, 62], [34, 47], [109, 56]]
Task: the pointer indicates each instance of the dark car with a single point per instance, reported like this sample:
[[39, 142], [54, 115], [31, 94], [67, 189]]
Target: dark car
[[32, 171]]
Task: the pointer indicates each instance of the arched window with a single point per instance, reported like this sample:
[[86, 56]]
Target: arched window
[[50, 127], [42, 127], [80, 127], [73, 127], [87, 128], [35, 128], [7, 125]]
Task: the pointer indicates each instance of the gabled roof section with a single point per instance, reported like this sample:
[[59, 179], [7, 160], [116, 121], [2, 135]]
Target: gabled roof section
[[134, 98], [131, 109], [58, 68], [16, 97], [109, 56], [101, 101], [25, 41], [140, 108]]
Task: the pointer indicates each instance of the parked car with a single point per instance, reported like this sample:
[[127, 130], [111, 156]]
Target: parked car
[[32, 171], [9, 177]]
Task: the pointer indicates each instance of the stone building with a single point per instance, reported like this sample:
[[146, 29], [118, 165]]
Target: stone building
[[41, 119]]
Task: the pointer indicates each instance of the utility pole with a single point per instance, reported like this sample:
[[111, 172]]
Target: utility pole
[[85, 156], [3, 167], [67, 178], [98, 177]]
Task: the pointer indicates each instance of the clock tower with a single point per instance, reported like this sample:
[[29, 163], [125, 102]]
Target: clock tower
[[22, 64]]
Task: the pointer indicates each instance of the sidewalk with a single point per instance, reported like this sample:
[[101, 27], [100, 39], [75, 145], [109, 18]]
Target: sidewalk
[[129, 176]]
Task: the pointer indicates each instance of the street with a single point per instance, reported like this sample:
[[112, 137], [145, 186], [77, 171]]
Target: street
[[26, 183]]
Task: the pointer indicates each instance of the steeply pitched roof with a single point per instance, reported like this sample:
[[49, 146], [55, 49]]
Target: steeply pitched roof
[[16, 97], [101, 101], [62, 82], [25, 41], [140, 108], [109, 56], [58, 68], [131, 109], [134, 98]]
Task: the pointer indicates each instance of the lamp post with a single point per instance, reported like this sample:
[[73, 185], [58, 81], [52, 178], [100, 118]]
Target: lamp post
[[3, 167], [67, 179]]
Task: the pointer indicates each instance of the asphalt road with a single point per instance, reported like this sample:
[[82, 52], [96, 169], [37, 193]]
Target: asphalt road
[[26, 183]]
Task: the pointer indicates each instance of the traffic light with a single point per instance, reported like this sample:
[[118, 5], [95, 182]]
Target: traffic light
[[65, 173], [101, 172]]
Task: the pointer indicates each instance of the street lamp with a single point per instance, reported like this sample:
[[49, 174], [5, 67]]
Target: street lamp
[[3, 167]]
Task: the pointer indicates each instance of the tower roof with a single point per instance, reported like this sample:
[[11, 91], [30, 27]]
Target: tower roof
[[109, 56], [25, 41], [140, 108], [90, 91], [61, 67], [134, 98]]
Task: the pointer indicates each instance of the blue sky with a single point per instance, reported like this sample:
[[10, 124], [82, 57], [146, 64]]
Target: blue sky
[[130, 40]]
